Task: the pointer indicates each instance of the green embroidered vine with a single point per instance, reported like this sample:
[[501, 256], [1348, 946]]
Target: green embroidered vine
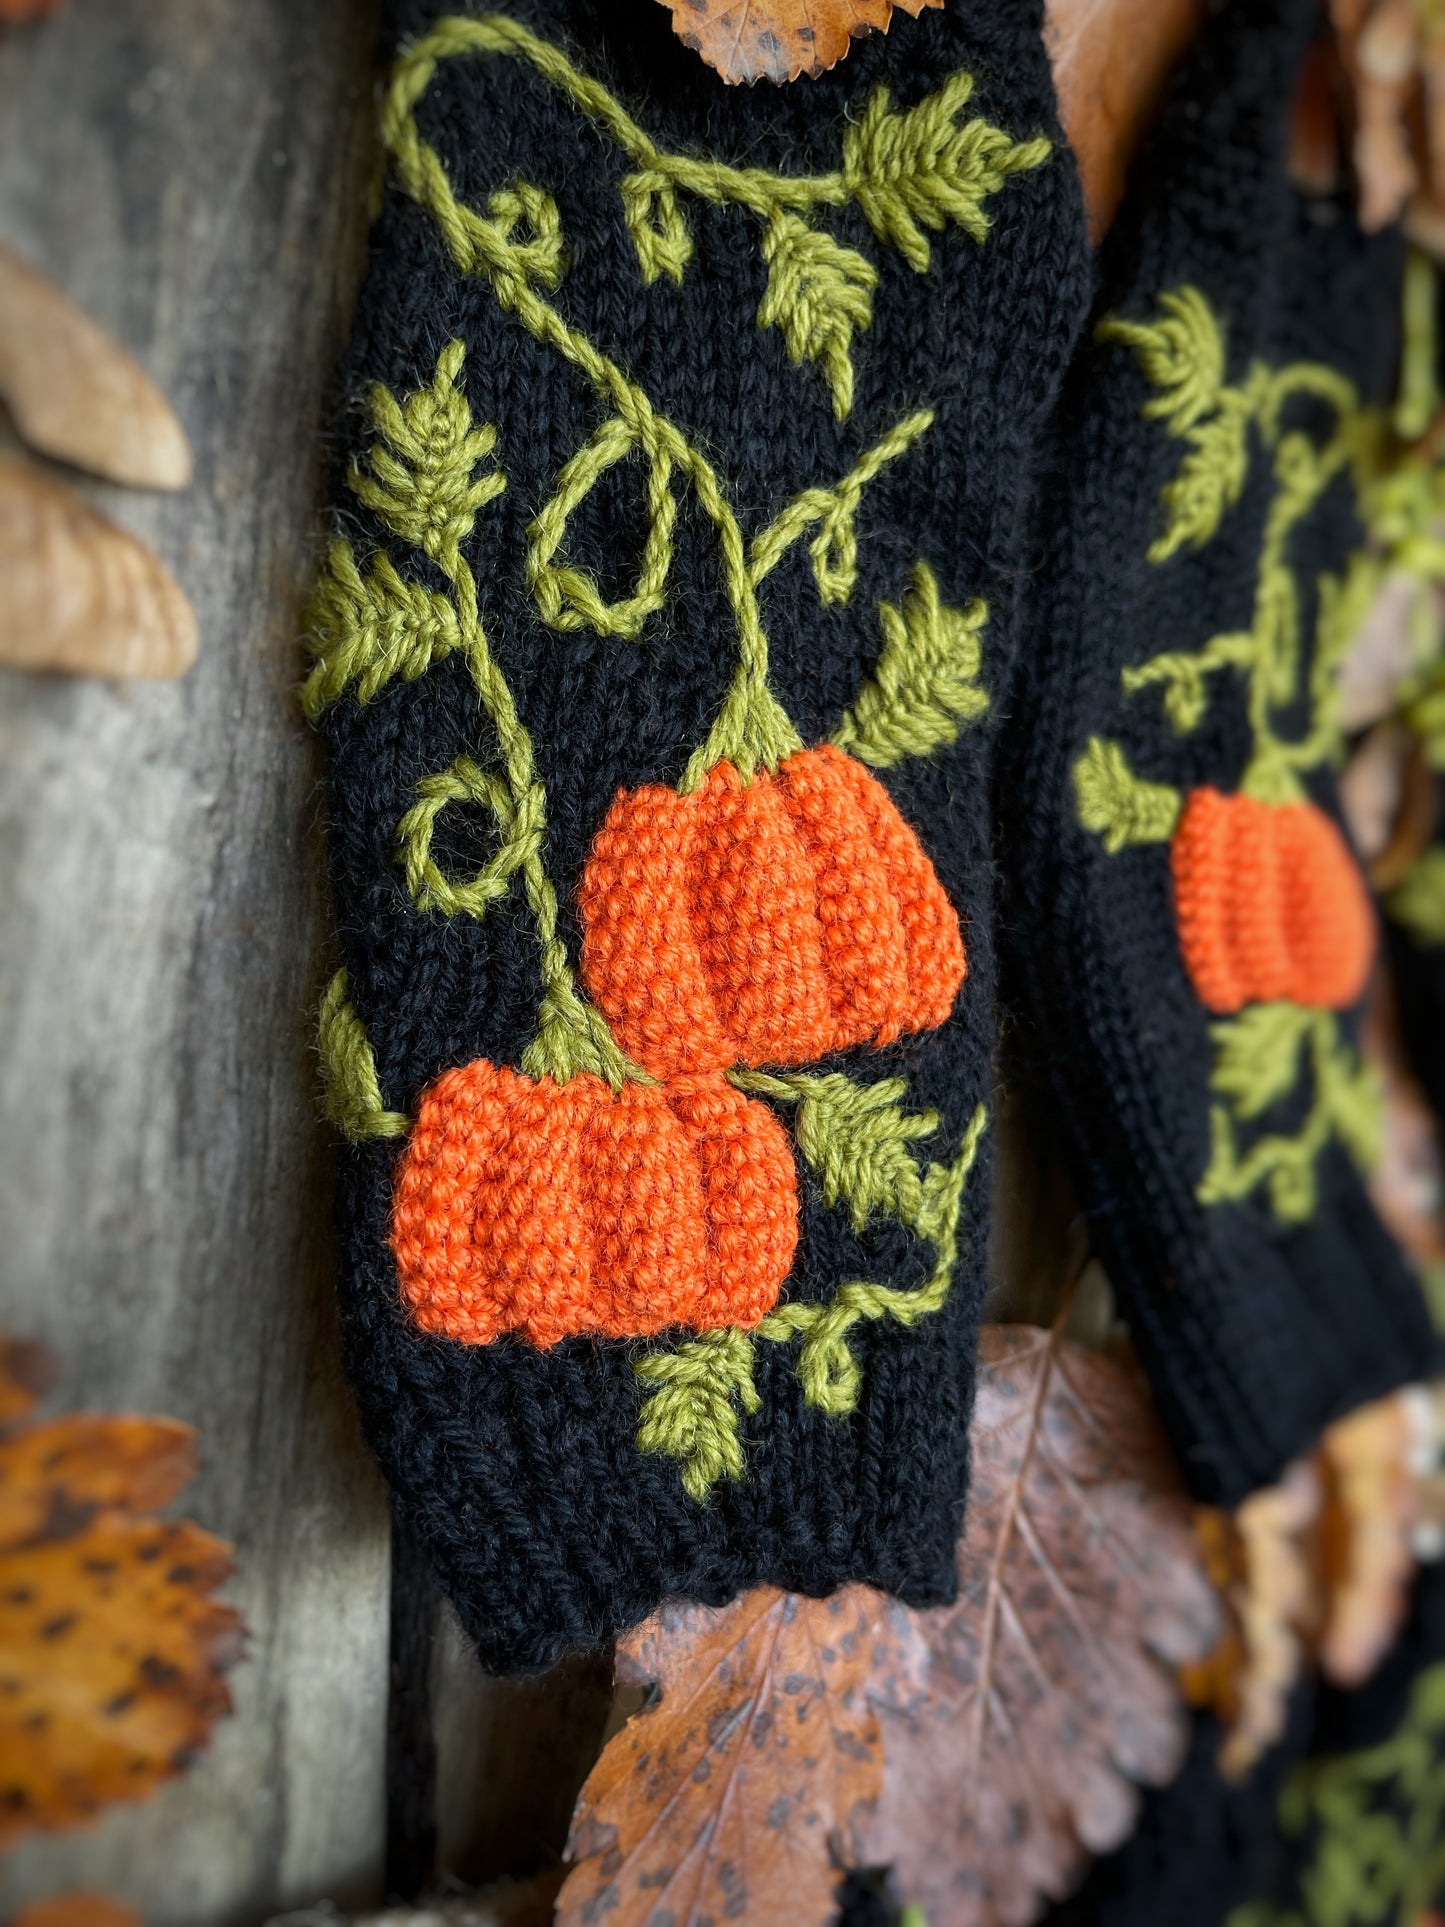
[[906, 170], [429, 477], [857, 1140], [421, 480], [1261, 1055], [1374, 1827]]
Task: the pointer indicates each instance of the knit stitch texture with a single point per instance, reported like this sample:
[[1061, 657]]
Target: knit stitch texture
[[658, 657], [1188, 931]]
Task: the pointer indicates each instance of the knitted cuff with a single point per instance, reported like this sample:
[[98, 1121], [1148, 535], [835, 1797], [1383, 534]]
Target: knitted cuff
[[1191, 929], [658, 654]]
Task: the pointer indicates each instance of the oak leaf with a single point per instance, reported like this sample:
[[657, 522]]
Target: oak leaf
[[729, 1796], [112, 1651], [983, 1751], [779, 39], [77, 593], [75, 393]]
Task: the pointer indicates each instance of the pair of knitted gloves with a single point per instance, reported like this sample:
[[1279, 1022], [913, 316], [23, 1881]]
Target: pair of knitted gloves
[[783, 579]]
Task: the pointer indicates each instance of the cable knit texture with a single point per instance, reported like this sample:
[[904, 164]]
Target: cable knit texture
[[1188, 929], [658, 651]]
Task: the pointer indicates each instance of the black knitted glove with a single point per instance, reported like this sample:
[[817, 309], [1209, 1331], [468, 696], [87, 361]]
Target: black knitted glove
[[658, 657], [1191, 931]]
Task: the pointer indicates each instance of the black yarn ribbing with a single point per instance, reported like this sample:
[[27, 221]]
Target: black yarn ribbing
[[515, 1468], [1255, 1333]]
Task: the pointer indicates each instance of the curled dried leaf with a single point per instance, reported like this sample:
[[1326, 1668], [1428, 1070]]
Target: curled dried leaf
[[779, 39], [1045, 1702], [1371, 1510], [1261, 1559], [75, 393], [79, 594], [112, 1649]]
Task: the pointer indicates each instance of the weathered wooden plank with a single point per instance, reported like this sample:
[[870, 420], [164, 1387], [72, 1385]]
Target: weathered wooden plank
[[194, 171]]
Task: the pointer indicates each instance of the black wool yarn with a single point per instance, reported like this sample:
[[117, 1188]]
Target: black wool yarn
[[659, 652], [1188, 930]]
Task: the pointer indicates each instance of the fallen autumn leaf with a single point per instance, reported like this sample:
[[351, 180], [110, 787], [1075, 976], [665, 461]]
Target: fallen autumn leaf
[[779, 39]]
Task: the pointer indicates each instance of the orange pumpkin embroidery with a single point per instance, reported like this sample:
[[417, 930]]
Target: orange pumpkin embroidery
[[1271, 904], [552, 1209], [767, 922]]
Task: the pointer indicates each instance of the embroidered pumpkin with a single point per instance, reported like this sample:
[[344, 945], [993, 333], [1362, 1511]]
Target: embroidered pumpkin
[[767, 922], [554, 1209], [1271, 904]]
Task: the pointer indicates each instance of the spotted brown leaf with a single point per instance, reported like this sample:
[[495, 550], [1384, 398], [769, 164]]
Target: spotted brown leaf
[[112, 1649], [779, 39], [732, 1795]]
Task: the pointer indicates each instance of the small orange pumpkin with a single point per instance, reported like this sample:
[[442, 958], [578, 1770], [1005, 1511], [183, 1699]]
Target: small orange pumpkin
[[555, 1209], [765, 922], [1271, 904]]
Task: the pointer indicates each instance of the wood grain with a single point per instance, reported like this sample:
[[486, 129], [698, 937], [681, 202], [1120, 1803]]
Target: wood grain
[[193, 171]]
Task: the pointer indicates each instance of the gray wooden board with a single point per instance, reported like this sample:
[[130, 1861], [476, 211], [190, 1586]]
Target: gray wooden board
[[194, 172]]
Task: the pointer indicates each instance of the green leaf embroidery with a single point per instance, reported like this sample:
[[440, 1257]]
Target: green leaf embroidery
[[353, 1092], [1257, 1055], [925, 686], [1182, 355], [1375, 1823], [922, 168], [818, 292], [1346, 1106], [1417, 903], [693, 1414], [422, 478], [372, 628], [1118, 805], [855, 1138]]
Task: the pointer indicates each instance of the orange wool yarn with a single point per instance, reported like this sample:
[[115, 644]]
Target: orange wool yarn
[[767, 922], [1271, 904], [555, 1209]]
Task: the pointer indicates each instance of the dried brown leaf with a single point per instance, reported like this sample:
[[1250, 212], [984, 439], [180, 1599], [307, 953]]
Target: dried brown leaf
[[112, 1650], [75, 393], [16, 10], [1371, 1509], [77, 1910], [1262, 1560], [1045, 1701], [777, 40], [1111, 61], [728, 1797], [1407, 1180], [79, 594]]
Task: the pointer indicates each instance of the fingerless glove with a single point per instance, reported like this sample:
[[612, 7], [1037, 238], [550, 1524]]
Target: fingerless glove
[[659, 657]]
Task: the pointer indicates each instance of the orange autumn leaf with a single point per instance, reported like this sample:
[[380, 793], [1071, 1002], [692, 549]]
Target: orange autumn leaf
[[1371, 1510], [1049, 1695], [1262, 1561], [726, 1798], [77, 1910], [112, 1651], [779, 39], [1112, 60]]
